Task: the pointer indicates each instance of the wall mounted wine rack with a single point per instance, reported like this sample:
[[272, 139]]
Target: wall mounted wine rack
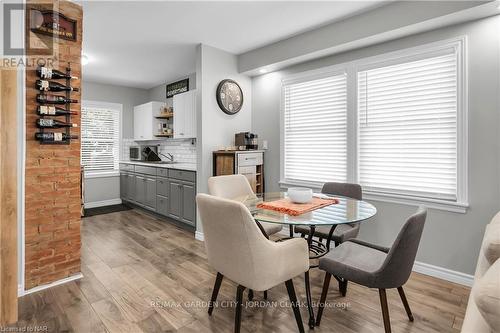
[[66, 130]]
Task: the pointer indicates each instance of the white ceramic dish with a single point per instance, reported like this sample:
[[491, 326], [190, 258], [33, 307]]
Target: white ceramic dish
[[300, 194]]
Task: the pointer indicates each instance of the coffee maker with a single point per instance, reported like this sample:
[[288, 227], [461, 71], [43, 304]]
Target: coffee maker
[[246, 139]]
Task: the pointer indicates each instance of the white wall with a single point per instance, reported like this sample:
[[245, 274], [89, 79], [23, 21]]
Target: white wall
[[128, 97], [450, 240], [215, 128]]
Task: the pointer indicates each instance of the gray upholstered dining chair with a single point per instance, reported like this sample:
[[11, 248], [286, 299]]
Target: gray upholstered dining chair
[[342, 232], [375, 266], [237, 249], [237, 187]]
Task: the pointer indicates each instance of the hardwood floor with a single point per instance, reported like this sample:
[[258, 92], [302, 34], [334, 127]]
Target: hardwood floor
[[145, 275]]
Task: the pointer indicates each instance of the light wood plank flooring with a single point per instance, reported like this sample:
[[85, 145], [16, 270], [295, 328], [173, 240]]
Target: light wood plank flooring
[[146, 275]]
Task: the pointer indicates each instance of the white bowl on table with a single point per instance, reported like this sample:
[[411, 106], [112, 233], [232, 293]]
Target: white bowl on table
[[300, 194]]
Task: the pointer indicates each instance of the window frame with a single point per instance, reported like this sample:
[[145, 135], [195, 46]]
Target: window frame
[[116, 107], [459, 44]]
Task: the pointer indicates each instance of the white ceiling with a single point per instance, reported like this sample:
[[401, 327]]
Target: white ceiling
[[147, 43]]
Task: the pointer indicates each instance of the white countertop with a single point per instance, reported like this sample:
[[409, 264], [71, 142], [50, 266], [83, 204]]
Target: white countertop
[[179, 166]]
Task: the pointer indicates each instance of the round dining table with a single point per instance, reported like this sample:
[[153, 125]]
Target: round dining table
[[346, 210]]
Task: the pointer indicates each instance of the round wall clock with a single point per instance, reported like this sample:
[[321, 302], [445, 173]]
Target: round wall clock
[[229, 96]]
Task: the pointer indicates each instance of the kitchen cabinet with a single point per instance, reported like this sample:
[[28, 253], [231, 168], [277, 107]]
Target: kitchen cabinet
[[144, 120], [168, 192], [162, 204], [127, 186], [185, 115], [175, 202], [145, 191], [188, 203]]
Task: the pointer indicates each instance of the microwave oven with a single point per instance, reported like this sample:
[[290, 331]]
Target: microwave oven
[[135, 153]]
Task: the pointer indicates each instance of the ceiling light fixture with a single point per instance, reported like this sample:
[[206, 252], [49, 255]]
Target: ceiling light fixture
[[262, 71], [85, 60]]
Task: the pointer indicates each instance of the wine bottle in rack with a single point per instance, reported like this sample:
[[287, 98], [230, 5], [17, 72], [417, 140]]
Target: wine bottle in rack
[[45, 110], [52, 123], [54, 137], [53, 99], [50, 73], [45, 85]]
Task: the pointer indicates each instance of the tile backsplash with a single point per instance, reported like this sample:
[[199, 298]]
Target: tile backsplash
[[184, 150]]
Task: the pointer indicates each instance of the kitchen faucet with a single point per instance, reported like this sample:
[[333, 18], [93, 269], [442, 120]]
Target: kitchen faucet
[[169, 156]]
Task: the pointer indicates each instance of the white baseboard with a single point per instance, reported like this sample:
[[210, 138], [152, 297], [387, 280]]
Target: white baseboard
[[103, 203], [419, 267], [444, 273], [50, 285], [198, 235]]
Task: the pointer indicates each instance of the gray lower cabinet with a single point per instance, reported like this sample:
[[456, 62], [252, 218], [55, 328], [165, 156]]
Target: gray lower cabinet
[[127, 186], [171, 194], [162, 204], [175, 206], [182, 201], [130, 187], [189, 203], [145, 191]]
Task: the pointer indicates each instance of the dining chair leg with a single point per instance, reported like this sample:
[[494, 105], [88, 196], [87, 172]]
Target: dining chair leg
[[309, 300], [295, 305], [326, 285], [343, 287], [405, 303], [290, 229], [239, 304], [215, 292], [385, 310], [250, 295], [265, 294]]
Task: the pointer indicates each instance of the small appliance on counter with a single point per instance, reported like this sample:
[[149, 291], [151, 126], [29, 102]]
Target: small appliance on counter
[[150, 154], [144, 153], [246, 141]]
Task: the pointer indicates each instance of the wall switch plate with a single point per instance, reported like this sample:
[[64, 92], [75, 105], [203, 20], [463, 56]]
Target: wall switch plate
[[264, 144]]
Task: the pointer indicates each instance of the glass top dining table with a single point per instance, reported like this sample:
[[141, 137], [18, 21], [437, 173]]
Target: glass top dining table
[[347, 210]]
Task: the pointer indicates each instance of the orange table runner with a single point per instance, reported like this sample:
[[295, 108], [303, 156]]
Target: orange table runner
[[288, 207]]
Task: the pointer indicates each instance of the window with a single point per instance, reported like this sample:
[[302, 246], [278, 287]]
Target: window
[[408, 127], [396, 124], [100, 137], [316, 129]]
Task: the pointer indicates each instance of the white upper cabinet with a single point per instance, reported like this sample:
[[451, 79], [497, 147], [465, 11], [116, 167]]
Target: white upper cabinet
[[144, 119], [185, 115]]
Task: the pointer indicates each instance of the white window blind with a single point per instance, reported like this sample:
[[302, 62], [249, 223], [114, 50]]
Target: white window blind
[[408, 127], [315, 129], [100, 138]]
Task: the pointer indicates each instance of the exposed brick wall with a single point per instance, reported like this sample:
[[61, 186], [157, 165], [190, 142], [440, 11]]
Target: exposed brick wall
[[52, 190]]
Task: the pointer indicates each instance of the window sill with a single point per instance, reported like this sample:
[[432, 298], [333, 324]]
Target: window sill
[[101, 174], [444, 205]]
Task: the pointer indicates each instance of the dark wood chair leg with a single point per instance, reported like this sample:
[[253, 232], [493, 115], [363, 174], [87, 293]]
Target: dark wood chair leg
[[250, 295], [239, 304], [290, 230], [309, 300], [405, 303], [385, 310], [295, 305], [265, 294], [215, 292], [326, 285], [343, 287]]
